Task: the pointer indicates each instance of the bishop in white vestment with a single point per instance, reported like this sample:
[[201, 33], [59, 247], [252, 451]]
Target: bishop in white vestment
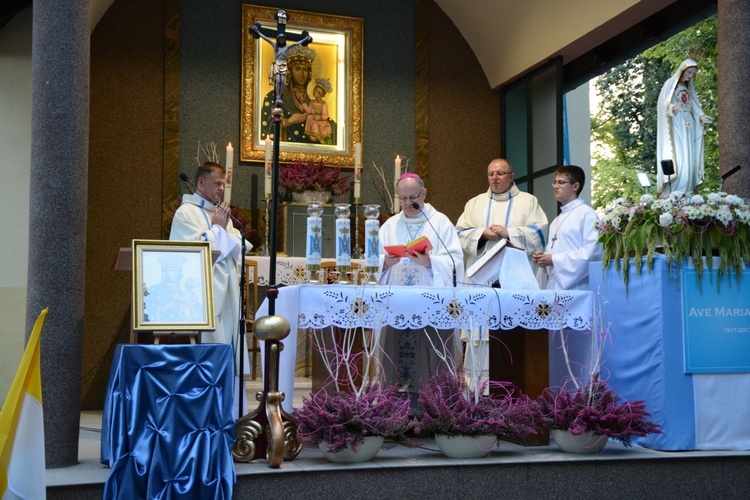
[[408, 355]]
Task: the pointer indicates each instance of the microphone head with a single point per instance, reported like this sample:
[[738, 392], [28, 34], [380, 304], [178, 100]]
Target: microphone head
[[415, 206], [184, 177]]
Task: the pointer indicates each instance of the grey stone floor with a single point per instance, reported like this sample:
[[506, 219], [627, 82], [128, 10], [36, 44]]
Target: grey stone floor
[[90, 471]]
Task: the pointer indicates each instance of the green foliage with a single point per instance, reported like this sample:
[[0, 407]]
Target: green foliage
[[626, 122]]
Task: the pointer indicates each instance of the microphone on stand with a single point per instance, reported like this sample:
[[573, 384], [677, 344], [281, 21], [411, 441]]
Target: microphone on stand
[[730, 173], [416, 206]]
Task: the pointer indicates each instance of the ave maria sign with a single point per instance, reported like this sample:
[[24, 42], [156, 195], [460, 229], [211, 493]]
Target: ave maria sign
[[716, 322]]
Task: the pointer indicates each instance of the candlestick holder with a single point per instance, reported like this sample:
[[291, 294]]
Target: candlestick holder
[[265, 252], [357, 250]]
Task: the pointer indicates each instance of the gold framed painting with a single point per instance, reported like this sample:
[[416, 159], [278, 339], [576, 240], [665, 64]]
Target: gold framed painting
[[322, 99], [172, 286]]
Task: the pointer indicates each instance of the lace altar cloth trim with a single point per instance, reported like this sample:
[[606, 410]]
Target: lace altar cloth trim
[[418, 307]]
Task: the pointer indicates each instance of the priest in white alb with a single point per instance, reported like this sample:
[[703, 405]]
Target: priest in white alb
[[203, 217], [564, 265], [503, 215], [408, 355], [502, 212]]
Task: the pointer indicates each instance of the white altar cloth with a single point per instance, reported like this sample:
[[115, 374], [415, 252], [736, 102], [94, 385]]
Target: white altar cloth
[[368, 306]]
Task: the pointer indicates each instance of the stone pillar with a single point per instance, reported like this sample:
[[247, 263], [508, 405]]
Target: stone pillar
[[734, 106], [57, 218]]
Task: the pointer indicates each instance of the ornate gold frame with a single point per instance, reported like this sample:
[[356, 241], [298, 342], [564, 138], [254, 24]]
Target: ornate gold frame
[[342, 35], [196, 257]]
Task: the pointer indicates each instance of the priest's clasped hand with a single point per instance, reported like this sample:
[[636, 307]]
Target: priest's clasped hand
[[542, 259], [495, 232], [220, 217]]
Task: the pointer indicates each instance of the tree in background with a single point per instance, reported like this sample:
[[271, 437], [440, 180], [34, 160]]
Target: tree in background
[[625, 123]]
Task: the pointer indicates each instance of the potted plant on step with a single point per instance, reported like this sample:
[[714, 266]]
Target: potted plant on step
[[581, 421], [583, 417], [465, 422], [352, 426], [350, 417]]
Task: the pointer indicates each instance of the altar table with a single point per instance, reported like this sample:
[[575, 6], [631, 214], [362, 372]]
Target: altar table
[[167, 426], [368, 306]]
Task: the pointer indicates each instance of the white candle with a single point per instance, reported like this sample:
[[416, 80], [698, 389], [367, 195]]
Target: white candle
[[357, 170], [372, 243], [396, 175], [314, 240], [269, 168], [228, 167], [343, 243]]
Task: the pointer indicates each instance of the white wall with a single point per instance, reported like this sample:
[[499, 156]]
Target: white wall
[[15, 164], [579, 132]]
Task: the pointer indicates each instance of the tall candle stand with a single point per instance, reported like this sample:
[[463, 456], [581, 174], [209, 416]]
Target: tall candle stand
[[357, 250], [314, 241]]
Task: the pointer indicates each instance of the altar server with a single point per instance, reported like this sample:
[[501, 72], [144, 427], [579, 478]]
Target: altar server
[[564, 265]]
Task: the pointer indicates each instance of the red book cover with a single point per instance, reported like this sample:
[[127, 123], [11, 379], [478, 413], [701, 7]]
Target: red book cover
[[420, 245]]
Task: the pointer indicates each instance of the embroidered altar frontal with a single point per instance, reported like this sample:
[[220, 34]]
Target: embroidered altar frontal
[[443, 308]]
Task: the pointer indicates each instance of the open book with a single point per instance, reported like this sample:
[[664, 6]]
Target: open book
[[420, 245], [486, 257]]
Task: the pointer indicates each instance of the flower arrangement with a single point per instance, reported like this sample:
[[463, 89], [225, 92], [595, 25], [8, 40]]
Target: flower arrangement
[[313, 176], [448, 407], [344, 419], [684, 225], [595, 408]]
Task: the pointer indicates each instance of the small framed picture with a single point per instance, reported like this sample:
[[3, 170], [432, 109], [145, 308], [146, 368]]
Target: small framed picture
[[172, 286]]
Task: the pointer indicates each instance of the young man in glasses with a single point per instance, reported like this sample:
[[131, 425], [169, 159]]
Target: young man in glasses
[[564, 265], [573, 236]]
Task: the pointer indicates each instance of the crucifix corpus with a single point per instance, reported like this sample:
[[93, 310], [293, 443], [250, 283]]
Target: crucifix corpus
[[277, 71]]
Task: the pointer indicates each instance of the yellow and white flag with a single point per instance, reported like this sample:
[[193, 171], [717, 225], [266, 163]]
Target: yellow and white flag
[[22, 427]]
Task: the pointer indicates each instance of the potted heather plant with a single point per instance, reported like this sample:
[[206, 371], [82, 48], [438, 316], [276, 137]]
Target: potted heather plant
[[313, 181], [465, 422], [582, 420], [351, 416], [352, 426]]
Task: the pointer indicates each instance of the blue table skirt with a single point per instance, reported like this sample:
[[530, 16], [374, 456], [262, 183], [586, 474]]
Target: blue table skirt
[[645, 361], [167, 427]]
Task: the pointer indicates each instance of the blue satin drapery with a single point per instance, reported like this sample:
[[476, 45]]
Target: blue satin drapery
[[167, 427]]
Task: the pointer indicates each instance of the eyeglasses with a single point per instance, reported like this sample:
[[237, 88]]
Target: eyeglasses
[[410, 199], [560, 183], [498, 174]]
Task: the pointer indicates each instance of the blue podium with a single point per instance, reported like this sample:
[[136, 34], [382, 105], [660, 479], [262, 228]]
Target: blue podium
[[645, 360], [167, 427]]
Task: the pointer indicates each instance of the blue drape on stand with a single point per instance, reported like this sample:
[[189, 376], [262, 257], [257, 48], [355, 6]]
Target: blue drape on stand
[[645, 359], [167, 427]]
